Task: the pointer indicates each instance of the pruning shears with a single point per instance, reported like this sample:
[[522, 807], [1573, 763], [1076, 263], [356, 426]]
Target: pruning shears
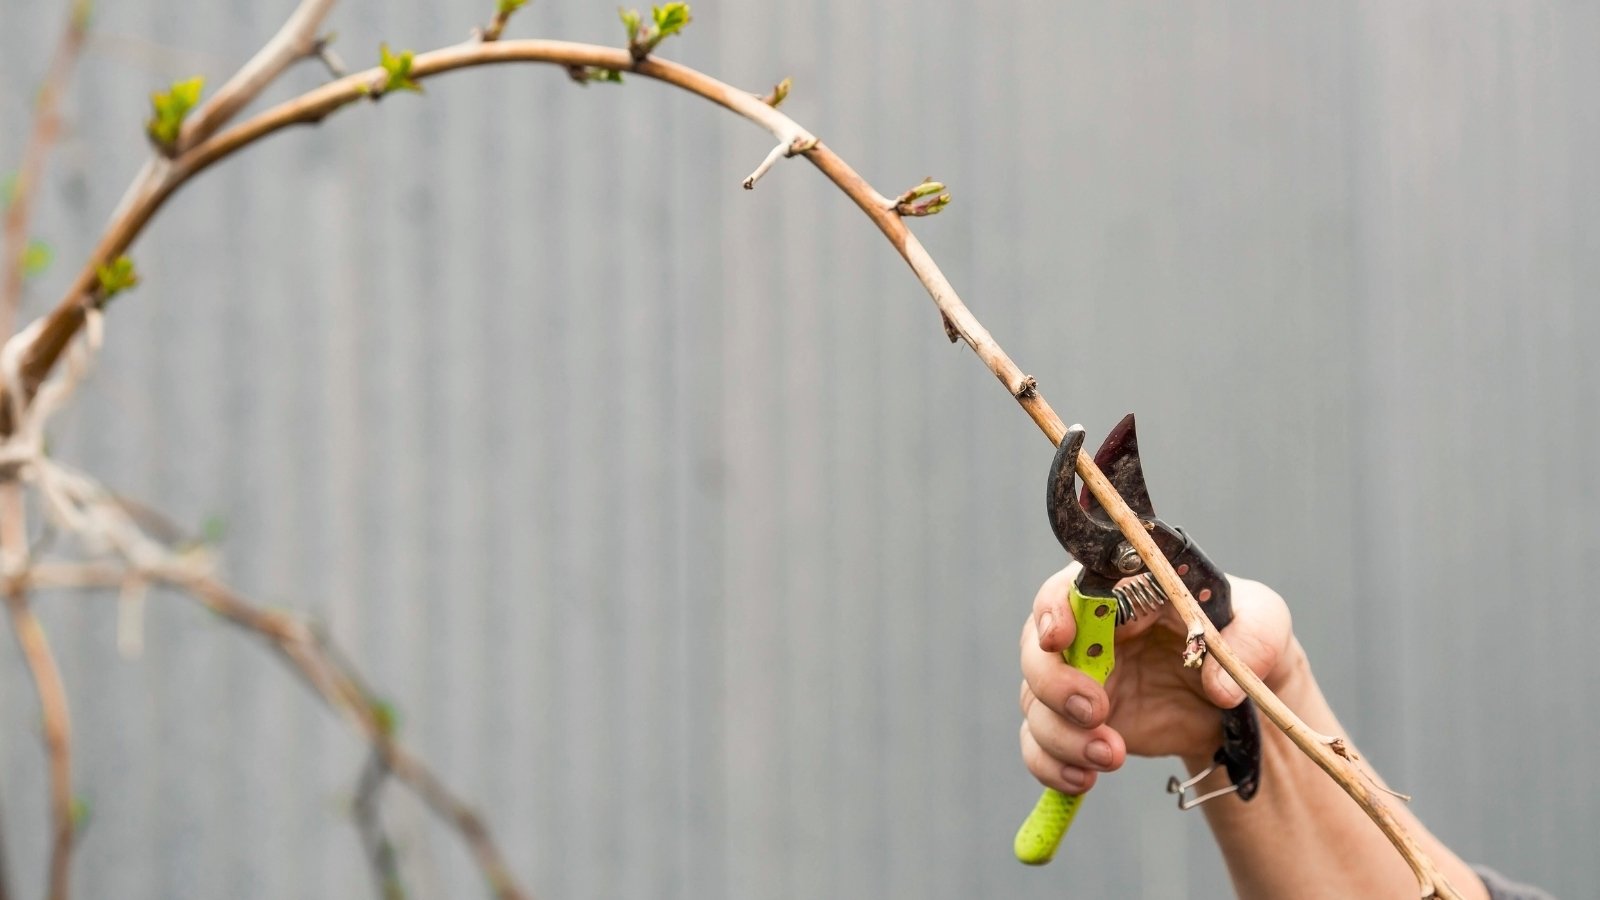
[[1115, 587]]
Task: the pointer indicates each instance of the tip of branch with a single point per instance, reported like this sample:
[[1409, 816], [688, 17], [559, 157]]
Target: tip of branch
[[926, 199]]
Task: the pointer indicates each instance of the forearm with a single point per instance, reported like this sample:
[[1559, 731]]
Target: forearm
[[1302, 836]]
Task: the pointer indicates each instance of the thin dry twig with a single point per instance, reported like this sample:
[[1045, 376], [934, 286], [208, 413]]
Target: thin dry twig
[[57, 330], [317, 661], [107, 523], [57, 723], [46, 127], [55, 716], [380, 849], [310, 654]]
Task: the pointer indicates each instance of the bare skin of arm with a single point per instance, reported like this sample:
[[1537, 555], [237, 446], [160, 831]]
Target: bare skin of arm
[[1301, 837]]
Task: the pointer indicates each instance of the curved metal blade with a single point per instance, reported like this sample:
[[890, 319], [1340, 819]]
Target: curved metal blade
[[1089, 540], [1118, 457]]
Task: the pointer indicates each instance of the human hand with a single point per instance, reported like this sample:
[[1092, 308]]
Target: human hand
[[1151, 705]]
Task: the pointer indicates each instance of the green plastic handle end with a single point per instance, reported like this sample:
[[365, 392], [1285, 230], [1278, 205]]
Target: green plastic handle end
[[1042, 831], [1091, 652]]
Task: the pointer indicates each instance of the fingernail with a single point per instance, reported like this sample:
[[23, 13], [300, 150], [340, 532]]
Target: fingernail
[[1080, 709], [1047, 621], [1074, 777], [1099, 753]]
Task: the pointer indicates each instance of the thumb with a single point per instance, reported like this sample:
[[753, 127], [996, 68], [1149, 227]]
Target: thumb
[[1259, 635], [1052, 615]]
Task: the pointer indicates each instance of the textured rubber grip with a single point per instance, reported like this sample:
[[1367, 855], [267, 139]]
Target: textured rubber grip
[[1090, 653]]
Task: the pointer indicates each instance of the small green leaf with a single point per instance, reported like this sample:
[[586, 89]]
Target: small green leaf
[[670, 19], [115, 277], [398, 68], [385, 716], [168, 110], [507, 7], [631, 21], [35, 258], [666, 21]]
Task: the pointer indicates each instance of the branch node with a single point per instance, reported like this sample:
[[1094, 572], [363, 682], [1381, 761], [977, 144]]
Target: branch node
[[950, 330], [1027, 387], [1194, 650]]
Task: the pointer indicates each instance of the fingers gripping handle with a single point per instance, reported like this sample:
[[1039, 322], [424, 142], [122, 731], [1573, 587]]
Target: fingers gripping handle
[[1090, 653]]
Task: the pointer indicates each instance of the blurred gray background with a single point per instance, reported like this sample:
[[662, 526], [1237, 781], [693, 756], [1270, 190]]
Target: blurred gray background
[[687, 547]]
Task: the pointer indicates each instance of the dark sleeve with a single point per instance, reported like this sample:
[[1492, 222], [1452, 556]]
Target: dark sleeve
[[1503, 888]]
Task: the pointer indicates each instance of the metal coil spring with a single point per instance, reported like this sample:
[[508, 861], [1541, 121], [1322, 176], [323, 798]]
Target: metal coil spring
[[1139, 597]]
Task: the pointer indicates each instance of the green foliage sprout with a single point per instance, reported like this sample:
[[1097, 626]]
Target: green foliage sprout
[[168, 110], [666, 21], [507, 7], [115, 277], [398, 68], [926, 199]]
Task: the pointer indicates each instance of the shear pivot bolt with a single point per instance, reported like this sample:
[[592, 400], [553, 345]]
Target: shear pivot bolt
[[1128, 561], [1094, 650]]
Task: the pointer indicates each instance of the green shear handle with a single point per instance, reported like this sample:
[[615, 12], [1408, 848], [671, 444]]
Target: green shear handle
[[1090, 653]]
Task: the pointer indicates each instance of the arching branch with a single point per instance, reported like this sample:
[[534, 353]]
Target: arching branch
[[62, 324]]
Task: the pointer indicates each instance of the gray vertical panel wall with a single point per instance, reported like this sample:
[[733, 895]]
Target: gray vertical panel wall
[[688, 548]]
